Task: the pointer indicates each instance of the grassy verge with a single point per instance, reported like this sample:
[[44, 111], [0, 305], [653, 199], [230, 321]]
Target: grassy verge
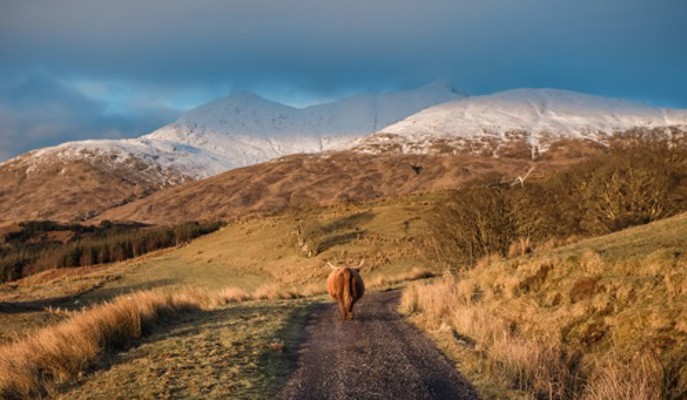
[[242, 350], [248, 340], [598, 319], [39, 364]]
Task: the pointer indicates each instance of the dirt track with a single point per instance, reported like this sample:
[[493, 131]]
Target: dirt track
[[375, 356]]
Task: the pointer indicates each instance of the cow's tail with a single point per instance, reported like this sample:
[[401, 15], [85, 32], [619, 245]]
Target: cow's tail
[[349, 290]]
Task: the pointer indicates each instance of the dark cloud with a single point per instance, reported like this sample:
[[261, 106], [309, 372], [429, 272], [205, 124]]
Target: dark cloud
[[330, 45], [38, 112], [322, 49]]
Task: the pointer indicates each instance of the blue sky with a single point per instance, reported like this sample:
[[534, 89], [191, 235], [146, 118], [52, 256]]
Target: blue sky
[[75, 69]]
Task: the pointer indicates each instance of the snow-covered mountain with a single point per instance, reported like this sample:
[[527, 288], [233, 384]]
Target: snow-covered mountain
[[80, 180], [536, 116], [244, 129]]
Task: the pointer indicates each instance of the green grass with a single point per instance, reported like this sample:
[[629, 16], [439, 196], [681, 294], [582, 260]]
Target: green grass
[[669, 233], [254, 252]]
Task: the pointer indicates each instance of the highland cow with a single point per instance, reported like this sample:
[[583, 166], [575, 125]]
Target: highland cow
[[346, 286]]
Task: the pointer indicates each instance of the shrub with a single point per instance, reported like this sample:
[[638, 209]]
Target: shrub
[[473, 223], [642, 177]]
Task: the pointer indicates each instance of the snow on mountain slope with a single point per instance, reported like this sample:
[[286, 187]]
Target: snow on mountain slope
[[167, 162], [537, 116], [245, 129]]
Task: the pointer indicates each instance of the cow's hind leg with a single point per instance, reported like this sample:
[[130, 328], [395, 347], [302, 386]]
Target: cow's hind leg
[[349, 313], [344, 312]]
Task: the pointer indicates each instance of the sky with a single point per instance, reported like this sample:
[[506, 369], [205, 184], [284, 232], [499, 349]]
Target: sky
[[79, 69]]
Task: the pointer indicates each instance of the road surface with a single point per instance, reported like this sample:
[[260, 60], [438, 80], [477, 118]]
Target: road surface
[[378, 355]]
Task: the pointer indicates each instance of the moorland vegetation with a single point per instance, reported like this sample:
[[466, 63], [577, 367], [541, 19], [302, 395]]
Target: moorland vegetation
[[570, 286], [642, 177]]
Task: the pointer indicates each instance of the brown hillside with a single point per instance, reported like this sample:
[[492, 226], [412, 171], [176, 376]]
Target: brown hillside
[[306, 180], [69, 190]]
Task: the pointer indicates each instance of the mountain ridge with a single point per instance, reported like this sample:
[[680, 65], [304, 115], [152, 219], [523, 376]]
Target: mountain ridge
[[246, 128], [537, 117], [81, 180]]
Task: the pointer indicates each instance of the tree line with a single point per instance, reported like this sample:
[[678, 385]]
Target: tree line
[[31, 249]]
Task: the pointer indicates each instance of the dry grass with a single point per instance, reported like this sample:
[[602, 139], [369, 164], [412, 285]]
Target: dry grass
[[275, 291], [636, 378], [488, 259], [232, 295], [36, 365], [573, 322], [312, 289], [238, 351], [379, 280], [434, 299], [520, 247]]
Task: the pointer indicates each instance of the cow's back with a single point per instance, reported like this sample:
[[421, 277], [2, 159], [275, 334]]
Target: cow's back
[[336, 281]]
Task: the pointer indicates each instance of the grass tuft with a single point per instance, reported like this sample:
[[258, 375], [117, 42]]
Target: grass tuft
[[275, 291], [618, 378]]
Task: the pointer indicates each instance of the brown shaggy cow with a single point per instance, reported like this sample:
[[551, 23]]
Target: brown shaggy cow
[[345, 286]]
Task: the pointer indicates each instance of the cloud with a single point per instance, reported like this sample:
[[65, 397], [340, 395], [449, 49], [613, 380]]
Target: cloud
[[37, 111], [329, 46]]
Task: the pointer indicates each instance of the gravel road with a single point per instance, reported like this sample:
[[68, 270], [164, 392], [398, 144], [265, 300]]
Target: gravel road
[[376, 356]]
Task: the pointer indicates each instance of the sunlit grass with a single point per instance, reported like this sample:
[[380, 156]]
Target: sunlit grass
[[599, 318]]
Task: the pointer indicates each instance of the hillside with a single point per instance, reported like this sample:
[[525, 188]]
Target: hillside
[[310, 180], [66, 190], [249, 254], [49, 192], [81, 180], [340, 177], [599, 318]]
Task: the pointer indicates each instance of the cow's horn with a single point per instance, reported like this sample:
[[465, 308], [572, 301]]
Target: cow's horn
[[361, 263], [330, 264]]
